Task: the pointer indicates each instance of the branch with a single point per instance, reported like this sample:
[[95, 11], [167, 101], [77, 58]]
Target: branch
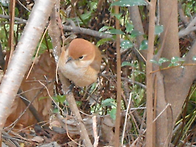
[[54, 32], [75, 29], [182, 16], [74, 109], [15, 18], [190, 28], [22, 56], [71, 28]]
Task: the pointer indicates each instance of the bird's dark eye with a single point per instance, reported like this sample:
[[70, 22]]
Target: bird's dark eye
[[81, 57]]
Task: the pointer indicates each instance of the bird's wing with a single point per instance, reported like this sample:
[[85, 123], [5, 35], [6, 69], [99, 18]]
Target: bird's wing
[[96, 64]]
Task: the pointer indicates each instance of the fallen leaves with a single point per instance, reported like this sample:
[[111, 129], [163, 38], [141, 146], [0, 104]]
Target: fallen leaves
[[31, 91]]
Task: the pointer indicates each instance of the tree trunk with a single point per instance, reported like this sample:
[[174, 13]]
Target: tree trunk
[[171, 85]]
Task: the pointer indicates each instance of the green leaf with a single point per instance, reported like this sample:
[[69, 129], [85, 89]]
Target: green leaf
[[102, 41], [125, 63], [110, 30], [173, 64], [126, 44], [55, 110], [113, 113], [114, 31], [79, 103], [108, 102], [118, 16], [158, 29], [129, 27], [144, 45], [59, 98], [44, 97], [5, 3], [135, 33], [162, 60], [86, 16], [176, 59], [154, 61], [194, 58], [93, 6], [104, 28], [127, 3]]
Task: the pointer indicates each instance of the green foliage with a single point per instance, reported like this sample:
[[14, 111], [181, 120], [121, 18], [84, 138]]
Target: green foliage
[[59, 99], [194, 58], [129, 27], [158, 29], [144, 45], [108, 102], [189, 7], [110, 30], [160, 62], [5, 3], [118, 16], [126, 44], [127, 3], [107, 106], [113, 113], [125, 63], [135, 33], [175, 61]]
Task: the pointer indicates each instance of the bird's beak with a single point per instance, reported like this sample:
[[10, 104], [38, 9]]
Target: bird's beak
[[69, 59]]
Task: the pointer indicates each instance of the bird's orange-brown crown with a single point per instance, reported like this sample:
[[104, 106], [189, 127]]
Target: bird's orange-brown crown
[[81, 49]]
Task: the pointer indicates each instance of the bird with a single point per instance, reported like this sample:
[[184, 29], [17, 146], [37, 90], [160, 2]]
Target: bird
[[80, 62]]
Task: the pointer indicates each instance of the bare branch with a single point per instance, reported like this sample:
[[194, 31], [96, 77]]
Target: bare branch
[[16, 18], [190, 28], [71, 28], [74, 109], [86, 31]]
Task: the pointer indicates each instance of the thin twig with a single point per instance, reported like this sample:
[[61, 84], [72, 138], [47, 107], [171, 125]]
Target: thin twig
[[36, 55], [126, 116], [15, 18], [162, 112], [96, 137], [11, 30]]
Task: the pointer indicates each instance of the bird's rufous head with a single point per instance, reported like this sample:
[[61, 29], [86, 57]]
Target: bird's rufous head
[[81, 52]]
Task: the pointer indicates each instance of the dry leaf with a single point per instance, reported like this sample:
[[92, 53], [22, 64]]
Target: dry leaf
[[42, 72], [105, 126], [38, 139]]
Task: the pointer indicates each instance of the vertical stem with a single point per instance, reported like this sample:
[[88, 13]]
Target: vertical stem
[[11, 30], [118, 110], [150, 134]]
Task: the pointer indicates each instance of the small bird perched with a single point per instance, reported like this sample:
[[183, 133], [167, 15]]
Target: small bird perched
[[81, 62]]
